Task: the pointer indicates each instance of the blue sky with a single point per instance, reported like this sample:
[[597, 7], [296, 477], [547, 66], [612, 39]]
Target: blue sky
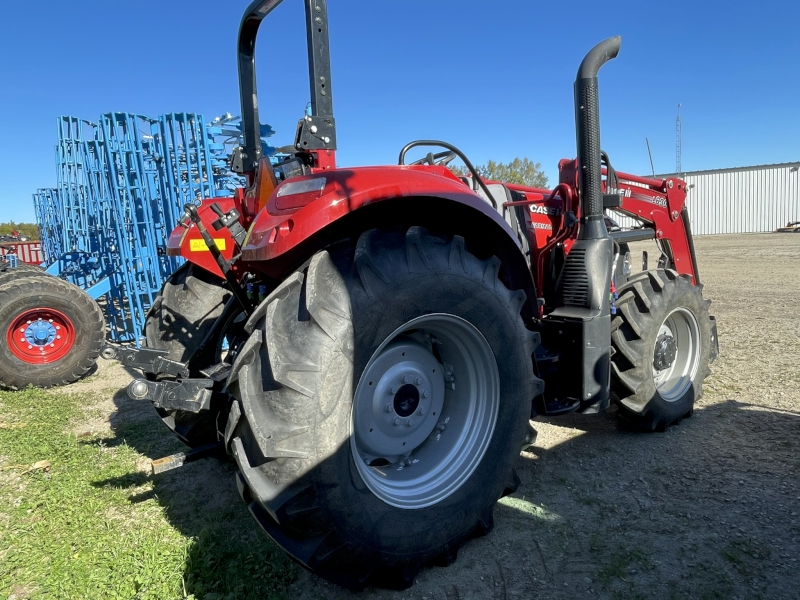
[[494, 78]]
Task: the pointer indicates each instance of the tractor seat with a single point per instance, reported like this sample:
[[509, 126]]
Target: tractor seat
[[517, 217], [500, 193]]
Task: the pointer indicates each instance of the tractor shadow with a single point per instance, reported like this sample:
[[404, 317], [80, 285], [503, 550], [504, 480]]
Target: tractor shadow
[[706, 509]]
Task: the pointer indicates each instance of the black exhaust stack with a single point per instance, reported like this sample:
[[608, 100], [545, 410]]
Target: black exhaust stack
[[584, 286], [587, 132]]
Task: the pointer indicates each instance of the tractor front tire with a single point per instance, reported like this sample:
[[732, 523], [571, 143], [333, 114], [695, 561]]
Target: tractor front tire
[[382, 399], [661, 336], [53, 332], [183, 313]]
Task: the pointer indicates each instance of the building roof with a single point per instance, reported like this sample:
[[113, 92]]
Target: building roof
[[729, 170]]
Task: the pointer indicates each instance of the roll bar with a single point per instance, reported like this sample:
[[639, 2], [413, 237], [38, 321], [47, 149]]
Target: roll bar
[[315, 132]]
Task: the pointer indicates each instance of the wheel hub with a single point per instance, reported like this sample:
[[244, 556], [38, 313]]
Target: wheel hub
[[676, 354], [402, 401], [424, 410], [40, 335], [406, 400], [665, 352]]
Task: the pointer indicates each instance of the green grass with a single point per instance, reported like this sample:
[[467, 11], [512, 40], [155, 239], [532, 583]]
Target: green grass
[[94, 526]]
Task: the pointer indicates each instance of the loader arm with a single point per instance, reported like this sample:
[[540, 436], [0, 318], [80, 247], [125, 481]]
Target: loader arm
[[660, 204]]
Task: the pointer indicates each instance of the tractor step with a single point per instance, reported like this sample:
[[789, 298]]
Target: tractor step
[[175, 461], [192, 395], [561, 407], [218, 372], [146, 360]]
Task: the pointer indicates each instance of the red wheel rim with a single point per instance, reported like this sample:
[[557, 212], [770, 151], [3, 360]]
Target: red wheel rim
[[40, 335]]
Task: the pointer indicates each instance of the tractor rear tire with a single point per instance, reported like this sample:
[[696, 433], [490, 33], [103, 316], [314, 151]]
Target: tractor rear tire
[[661, 335], [53, 332], [342, 457], [183, 313]]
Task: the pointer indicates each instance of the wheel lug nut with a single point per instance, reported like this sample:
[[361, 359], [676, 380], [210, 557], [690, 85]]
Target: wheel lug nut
[[421, 412], [396, 421], [407, 379], [388, 408], [418, 381], [424, 393], [393, 390], [409, 423]]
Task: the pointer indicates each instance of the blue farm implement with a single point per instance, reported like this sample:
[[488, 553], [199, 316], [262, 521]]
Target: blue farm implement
[[122, 184]]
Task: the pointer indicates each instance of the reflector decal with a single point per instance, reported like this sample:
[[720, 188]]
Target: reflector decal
[[200, 245]]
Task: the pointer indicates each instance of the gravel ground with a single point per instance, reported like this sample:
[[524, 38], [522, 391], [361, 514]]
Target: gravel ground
[[708, 509]]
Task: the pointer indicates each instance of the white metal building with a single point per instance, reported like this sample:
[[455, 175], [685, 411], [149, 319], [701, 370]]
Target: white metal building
[[741, 200]]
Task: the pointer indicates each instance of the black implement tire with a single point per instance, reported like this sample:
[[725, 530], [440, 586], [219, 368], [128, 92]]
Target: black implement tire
[[659, 314], [305, 377], [183, 313], [18, 274], [77, 331]]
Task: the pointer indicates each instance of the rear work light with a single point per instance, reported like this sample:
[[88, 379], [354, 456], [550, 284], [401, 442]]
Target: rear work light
[[294, 194]]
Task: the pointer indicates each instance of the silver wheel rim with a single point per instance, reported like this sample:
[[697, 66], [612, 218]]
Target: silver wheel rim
[[673, 381], [424, 411]]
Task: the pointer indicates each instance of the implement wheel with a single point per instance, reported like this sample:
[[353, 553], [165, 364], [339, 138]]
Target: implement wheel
[[662, 338], [20, 272], [189, 304], [53, 332], [382, 399]]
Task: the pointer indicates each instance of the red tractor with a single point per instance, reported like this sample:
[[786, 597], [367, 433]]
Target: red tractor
[[370, 343]]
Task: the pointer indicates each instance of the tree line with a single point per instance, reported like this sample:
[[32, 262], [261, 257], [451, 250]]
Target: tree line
[[521, 171], [30, 230]]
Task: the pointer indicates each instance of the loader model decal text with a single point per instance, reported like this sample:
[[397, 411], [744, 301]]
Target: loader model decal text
[[623, 192], [550, 211], [657, 200]]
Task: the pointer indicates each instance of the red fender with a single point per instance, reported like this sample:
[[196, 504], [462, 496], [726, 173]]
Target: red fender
[[291, 219]]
